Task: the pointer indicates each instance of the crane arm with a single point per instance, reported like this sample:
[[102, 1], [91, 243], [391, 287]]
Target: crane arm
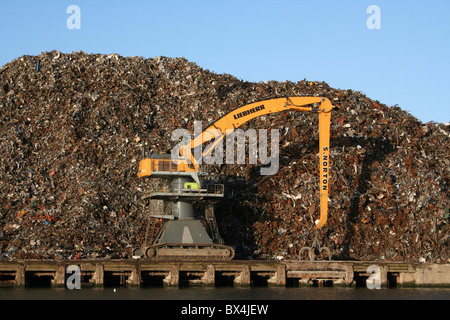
[[233, 120]]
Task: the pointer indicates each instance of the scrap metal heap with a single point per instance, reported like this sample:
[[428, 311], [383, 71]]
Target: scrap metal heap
[[73, 127]]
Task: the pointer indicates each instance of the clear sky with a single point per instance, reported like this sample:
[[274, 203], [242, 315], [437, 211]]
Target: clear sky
[[405, 61]]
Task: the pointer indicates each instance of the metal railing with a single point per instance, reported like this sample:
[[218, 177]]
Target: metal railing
[[168, 165], [217, 189]]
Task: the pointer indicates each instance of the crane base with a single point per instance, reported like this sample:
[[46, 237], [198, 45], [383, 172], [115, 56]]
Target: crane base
[[191, 251]]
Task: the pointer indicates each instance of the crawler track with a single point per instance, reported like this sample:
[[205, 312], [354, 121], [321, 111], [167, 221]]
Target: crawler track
[[186, 252]]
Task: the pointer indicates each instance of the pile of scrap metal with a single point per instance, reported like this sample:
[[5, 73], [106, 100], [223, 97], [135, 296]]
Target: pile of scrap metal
[[73, 128]]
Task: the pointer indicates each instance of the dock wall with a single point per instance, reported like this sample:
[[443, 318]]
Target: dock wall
[[140, 272]]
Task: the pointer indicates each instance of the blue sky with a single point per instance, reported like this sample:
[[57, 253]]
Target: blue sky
[[405, 62]]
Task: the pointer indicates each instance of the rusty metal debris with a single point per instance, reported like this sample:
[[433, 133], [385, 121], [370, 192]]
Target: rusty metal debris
[[74, 128]]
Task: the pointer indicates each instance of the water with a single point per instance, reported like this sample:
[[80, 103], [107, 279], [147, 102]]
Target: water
[[225, 293], [221, 302]]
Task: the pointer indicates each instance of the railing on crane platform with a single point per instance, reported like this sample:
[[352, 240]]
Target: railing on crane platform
[[163, 164]]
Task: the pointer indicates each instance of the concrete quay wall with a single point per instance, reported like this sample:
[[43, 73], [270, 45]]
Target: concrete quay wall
[[141, 272]]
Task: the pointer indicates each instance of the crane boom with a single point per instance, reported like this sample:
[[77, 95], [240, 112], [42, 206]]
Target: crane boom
[[233, 120]]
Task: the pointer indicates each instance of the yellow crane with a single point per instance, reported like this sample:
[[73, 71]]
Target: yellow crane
[[185, 168]]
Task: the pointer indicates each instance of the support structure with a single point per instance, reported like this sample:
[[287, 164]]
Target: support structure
[[142, 272], [184, 233]]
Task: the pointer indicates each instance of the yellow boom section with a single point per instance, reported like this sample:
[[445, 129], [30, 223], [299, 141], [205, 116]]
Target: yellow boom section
[[233, 120]]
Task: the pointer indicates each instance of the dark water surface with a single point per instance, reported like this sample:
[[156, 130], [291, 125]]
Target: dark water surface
[[223, 302], [225, 293]]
